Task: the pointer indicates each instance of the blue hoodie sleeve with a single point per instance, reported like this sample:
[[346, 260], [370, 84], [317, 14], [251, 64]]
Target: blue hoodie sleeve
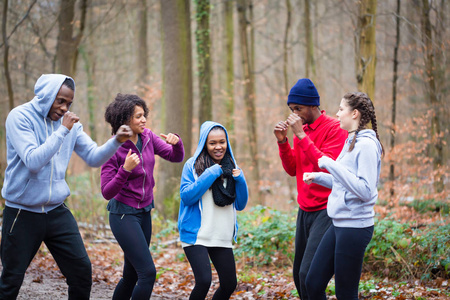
[[364, 183], [22, 137], [92, 154], [241, 191], [191, 189]]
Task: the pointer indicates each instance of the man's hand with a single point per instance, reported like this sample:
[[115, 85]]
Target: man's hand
[[123, 133], [280, 131], [69, 119], [296, 124], [170, 138], [131, 161]]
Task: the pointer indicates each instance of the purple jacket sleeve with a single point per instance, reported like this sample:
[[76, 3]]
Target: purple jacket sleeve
[[171, 153], [113, 177]]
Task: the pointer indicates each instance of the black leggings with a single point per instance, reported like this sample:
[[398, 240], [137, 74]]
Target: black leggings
[[341, 252], [223, 260], [133, 233]]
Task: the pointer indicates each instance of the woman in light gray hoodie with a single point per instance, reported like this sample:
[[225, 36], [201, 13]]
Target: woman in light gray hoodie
[[353, 180]]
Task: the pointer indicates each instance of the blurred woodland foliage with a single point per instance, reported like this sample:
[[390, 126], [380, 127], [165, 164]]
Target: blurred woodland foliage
[[233, 61]]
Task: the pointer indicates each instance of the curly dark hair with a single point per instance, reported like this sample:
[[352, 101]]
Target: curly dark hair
[[121, 110], [362, 103]]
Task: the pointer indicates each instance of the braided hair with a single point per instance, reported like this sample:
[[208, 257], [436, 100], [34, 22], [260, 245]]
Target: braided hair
[[362, 103], [121, 110]]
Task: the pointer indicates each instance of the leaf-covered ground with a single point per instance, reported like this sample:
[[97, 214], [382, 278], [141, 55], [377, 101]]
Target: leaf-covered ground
[[175, 279]]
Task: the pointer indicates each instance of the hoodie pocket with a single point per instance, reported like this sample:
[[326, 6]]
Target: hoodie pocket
[[37, 192], [337, 206]]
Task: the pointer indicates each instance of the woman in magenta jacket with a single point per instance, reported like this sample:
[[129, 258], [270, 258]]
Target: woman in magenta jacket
[[127, 182]]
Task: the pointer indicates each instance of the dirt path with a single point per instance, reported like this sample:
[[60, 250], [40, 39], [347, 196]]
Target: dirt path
[[56, 289]]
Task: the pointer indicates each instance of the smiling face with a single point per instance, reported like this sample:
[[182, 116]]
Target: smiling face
[[305, 112], [348, 118], [62, 103], [216, 144], [138, 120]]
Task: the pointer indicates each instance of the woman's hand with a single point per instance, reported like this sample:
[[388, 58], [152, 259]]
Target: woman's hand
[[131, 161], [236, 172], [308, 177], [170, 138]]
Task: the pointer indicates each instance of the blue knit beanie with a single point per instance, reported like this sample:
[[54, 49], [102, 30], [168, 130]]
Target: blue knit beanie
[[304, 93]]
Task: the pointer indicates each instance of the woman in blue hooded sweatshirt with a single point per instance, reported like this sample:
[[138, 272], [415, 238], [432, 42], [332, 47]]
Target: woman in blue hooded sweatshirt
[[212, 189], [353, 180]]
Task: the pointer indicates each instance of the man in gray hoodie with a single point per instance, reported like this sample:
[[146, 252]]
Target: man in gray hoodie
[[41, 136]]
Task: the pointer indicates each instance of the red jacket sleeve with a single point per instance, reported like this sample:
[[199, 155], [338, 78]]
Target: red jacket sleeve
[[331, 146], [287, 156]]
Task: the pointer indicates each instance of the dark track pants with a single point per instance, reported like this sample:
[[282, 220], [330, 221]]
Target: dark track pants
[[311, 226], [341, 254], [22, 235]]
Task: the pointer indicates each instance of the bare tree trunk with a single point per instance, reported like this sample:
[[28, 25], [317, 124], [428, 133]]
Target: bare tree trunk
[[249, 96], [202, 36], [89, 69], [285, 46], [430, 81], [67, 48], [310, 64], [252, 41], [5, 56], [291, 181], [229, 37], [366, 47], [394, 99], [142, 55], [177, 93]]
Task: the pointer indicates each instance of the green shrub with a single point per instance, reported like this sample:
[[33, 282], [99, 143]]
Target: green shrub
[[266, 235], [401, 251], [423, 206], [86, 201]]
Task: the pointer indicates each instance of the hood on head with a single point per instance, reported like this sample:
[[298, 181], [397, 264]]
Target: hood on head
[[45, 90], [204, 131]]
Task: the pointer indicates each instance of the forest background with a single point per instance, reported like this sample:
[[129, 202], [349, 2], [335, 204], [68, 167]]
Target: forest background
[[234, 61]]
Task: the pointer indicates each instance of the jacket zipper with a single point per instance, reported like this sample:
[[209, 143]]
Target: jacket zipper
[[51, 181], [145, 174], [14, 222]]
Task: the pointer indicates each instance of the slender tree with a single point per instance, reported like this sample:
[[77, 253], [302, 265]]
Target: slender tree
[[229, 38], [285, 46], [142, 55], [432, 91], [67, 48], [394, 97], [6, 55], [310, 64], [366, 47], [249, 94], [203, 40], [177, 94]]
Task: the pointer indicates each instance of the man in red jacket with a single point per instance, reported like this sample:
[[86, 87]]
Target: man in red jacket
[[315, 135]]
